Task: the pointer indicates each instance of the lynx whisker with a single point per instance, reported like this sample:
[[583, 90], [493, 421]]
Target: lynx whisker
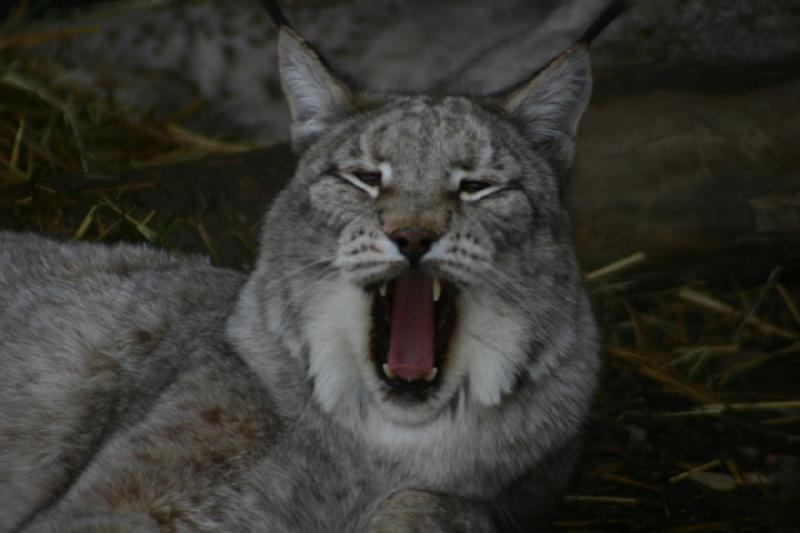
[[327, 262]]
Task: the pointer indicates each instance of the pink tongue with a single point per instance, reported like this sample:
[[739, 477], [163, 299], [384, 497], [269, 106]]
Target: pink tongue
[[411, 335]]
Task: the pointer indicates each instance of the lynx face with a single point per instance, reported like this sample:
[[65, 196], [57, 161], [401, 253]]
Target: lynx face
[[444, 255]]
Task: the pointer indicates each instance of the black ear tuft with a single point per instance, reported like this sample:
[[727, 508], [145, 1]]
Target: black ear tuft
[[275, 13], [606, 17]]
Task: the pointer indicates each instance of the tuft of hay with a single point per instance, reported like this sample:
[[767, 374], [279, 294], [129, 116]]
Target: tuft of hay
[[698, 418], [49, 128]]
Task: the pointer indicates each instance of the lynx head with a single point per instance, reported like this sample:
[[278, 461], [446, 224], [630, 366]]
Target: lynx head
[[421, 256]]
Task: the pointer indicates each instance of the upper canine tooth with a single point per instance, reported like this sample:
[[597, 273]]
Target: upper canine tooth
[[437, 290], [432, 374], [382, 289]]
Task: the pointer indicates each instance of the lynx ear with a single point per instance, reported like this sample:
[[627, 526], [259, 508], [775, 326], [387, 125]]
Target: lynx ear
[[549, 106], [316, 97]]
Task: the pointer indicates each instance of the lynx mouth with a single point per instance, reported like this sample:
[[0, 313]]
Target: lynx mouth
[[413, 318]]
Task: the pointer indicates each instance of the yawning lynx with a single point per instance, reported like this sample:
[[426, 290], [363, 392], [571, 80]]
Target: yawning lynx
[[414, 350]]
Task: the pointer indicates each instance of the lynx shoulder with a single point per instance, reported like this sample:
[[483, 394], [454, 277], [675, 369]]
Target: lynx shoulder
[[414, 349]]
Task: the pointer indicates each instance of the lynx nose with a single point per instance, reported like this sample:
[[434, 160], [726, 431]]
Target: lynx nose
[[413, 242]]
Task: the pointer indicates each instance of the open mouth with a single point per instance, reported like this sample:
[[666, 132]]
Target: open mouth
[[413, 317]]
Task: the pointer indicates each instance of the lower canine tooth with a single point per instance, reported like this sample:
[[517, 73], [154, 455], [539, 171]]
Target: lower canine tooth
[[432, 374], [382, 290], [388, 371], [437, 291]]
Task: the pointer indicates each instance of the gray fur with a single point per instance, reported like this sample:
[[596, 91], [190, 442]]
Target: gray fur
[[143, 391]]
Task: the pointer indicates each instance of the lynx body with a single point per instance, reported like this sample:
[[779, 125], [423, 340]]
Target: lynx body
[[414, 350]]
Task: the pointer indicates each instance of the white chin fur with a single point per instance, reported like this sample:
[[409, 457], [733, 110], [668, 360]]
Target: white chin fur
[[338, 323], [485, 348], [337, 330], [488, 347]]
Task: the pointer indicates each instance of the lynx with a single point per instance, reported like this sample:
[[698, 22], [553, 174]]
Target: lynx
[[414, 350]]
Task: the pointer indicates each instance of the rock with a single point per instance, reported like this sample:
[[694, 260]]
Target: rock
[[725, 482], [164, 56], [714, 480], [676, 172]]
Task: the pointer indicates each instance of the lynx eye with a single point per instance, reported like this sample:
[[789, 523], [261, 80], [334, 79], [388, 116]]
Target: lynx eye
[[370, 178], [473, 186], [472, 190], [369, 181]]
